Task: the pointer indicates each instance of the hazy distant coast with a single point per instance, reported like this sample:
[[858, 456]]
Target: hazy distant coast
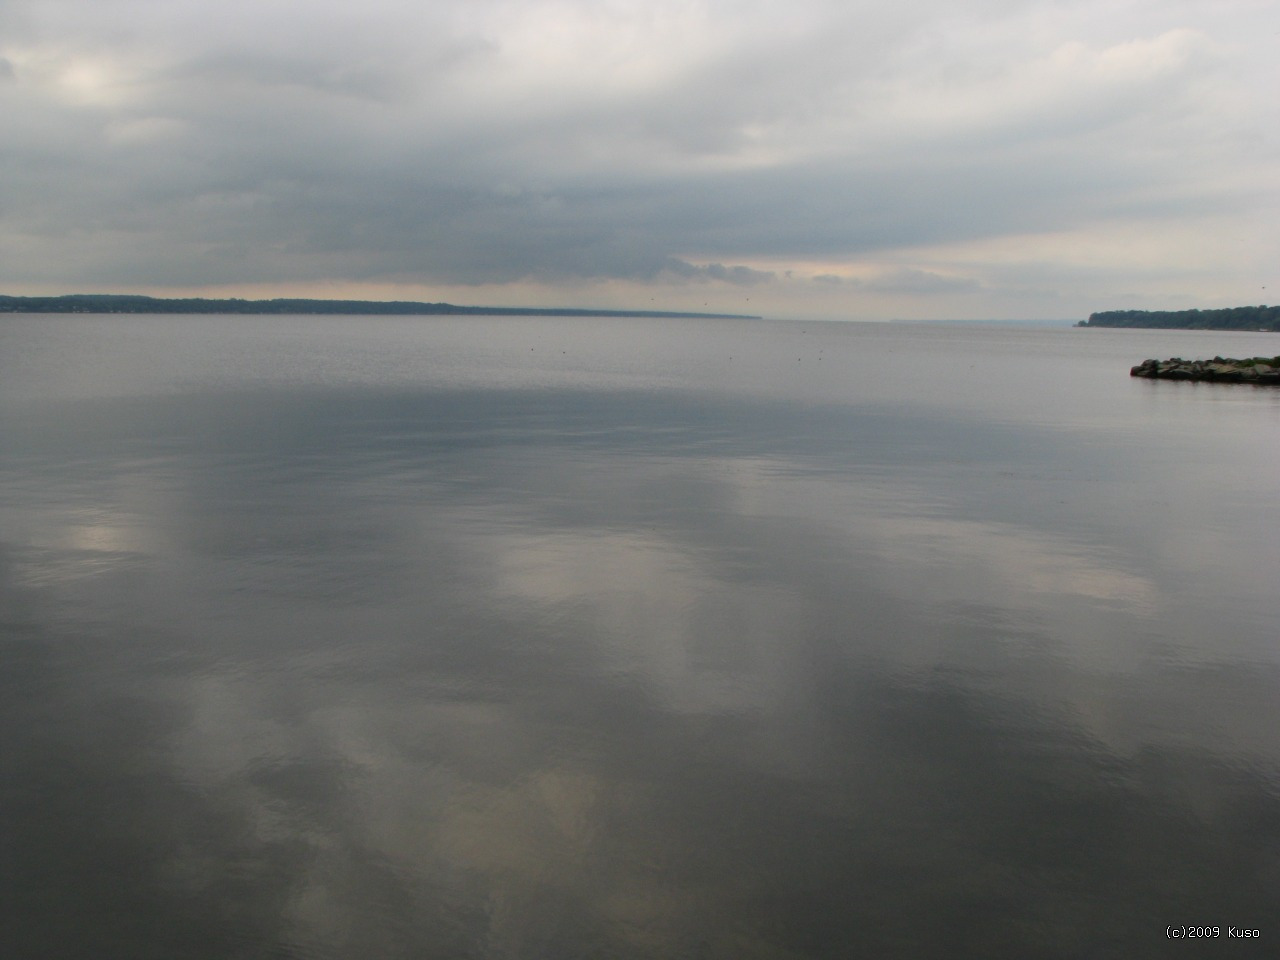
[[1262, 318], [128, 303]]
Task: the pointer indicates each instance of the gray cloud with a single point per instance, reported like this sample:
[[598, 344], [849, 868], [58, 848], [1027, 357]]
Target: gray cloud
[[739, 275], [492, 143], [911, 280]]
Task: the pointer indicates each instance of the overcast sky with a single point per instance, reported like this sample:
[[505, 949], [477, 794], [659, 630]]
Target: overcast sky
[[867, 159]]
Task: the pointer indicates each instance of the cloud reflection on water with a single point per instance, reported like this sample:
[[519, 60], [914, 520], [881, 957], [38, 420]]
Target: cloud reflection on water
[[577, 674]]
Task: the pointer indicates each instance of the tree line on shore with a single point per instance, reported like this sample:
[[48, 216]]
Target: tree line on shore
[[1230, 318], [131, 303]]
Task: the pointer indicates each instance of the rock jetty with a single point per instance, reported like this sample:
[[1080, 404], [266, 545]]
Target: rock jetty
[[1259, 370]]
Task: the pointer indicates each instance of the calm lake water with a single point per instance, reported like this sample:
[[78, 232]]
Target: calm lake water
[[567, 638]]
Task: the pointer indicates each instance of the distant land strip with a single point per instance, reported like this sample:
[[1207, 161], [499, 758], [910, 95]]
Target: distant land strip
[[1263, 318], [131, 303]]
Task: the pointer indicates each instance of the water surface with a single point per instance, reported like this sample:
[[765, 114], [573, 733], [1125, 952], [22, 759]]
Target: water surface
[[529, 637]]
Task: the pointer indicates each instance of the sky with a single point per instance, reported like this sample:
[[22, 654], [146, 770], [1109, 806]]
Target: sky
[[813, 159]]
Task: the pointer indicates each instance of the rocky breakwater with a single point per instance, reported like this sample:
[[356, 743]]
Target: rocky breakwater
[[1259, 370]]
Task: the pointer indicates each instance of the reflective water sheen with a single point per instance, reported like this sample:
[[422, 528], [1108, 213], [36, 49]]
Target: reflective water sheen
[[525, 638]]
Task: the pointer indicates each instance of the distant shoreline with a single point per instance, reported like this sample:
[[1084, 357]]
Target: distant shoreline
[[1261, 319], [131, 303]]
